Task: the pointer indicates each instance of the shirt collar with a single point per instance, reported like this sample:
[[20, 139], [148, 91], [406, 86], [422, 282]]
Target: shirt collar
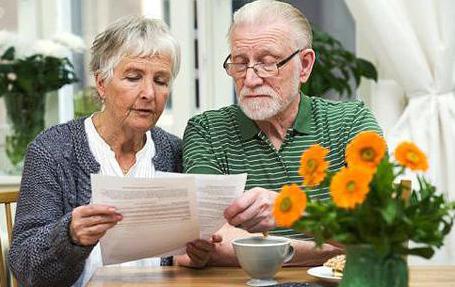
[[247, 126], [302, 124], [304, 120]]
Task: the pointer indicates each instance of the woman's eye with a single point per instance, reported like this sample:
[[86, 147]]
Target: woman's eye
[[133, 78], [162, 82]]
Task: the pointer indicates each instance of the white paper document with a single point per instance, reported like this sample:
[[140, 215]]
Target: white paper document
[[162, 214]]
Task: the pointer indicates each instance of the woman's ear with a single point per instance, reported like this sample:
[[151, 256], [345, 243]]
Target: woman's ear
[[100, 85], [307, 58]]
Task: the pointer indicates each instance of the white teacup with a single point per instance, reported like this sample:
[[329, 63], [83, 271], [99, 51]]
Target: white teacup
[[261, 257]]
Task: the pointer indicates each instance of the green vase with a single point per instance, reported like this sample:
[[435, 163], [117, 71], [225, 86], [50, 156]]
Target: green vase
[[26, 115], [366, 268]]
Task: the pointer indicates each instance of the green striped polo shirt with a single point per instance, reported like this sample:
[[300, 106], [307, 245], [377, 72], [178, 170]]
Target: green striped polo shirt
[[226, 141]]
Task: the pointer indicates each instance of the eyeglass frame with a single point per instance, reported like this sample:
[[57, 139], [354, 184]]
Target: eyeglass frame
[[278, 65]]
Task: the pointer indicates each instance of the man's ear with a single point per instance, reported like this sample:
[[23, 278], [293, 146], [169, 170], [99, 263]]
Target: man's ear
[[100, 85], [307, 58]]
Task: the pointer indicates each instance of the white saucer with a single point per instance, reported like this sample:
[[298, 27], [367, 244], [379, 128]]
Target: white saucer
[[324, 273], [261, 282]]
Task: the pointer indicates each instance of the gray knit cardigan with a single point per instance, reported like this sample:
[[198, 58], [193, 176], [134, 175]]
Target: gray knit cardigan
[[55, 180]]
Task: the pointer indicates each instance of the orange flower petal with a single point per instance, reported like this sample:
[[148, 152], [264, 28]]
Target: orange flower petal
[[410, 156], [350, 186], [313, 165], [366, 149], [289, 205]]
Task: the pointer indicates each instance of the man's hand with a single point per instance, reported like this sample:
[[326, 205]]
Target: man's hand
[[90, 222], [253, 210], [199, 252]]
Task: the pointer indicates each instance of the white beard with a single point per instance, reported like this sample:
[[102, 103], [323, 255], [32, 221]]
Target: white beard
[[260, 108], [263, 108]]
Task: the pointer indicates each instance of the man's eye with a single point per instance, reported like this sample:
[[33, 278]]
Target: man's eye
[[239, 66], [269, 65], [239, 60], [240, 63], [268, 61]]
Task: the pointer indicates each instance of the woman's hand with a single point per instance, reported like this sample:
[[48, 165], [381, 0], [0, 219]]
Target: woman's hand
[[198, 252], [90, 222]]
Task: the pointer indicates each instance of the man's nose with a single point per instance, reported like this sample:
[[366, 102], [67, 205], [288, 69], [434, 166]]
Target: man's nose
[[252, 79]]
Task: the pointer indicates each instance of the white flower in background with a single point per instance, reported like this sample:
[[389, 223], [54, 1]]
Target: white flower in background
[[11, 76], [9, 39], [49, 48], [73, 42], [59, 46]]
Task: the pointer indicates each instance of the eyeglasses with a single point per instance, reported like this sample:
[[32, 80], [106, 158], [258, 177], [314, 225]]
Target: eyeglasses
[[238, 70]]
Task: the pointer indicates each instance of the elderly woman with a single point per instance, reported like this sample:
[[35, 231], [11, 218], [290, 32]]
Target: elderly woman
[[57, 229]]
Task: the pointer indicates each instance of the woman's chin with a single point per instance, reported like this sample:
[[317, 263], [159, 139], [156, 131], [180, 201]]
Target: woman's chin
[[139, 122], [141, 126]]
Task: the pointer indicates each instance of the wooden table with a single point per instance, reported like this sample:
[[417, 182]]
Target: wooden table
[[443, 276]]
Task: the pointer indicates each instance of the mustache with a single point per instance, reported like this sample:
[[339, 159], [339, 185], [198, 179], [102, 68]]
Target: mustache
[[267, 91]]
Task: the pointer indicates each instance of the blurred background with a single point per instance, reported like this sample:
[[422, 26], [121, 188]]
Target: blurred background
[[409, 45]]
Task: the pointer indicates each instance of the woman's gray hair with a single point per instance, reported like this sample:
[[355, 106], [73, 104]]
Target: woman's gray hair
[[135, 36], [270, 11]]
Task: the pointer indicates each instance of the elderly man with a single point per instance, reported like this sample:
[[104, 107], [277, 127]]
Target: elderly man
[[265, 134]]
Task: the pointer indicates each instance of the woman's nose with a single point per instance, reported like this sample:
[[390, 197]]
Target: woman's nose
[[148, 90]]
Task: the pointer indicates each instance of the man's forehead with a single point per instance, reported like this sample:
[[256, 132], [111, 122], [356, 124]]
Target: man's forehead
[[261, 36], [261, 27]]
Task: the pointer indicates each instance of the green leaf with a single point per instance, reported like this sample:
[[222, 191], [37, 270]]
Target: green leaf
[[25, 96], [390, 212], [425, 252], [335, 67], [367, 69], [9, 54]]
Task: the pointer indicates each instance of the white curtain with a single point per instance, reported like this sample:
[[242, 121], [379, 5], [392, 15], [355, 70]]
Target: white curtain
[[414, 40]]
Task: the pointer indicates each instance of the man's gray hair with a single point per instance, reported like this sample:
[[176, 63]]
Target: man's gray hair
[[270, 11], [133, 36]]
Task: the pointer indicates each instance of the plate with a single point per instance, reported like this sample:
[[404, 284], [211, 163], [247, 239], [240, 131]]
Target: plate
[[323, 273]]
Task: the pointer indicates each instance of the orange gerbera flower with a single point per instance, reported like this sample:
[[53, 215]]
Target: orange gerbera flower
[[349, 186], [366, 149], [313, 165], [289, 205], [409, 155]]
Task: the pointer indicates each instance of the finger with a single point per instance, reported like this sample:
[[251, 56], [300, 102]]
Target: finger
[[79, 224], [196, 255], [239, 205], [94, 209], [216, 238], [100, 219], [203, 245], [252, 223], [97, 230], [195, 262], [264, 225], [260, 209], [256, 213], [83, 235], [247, 215]]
